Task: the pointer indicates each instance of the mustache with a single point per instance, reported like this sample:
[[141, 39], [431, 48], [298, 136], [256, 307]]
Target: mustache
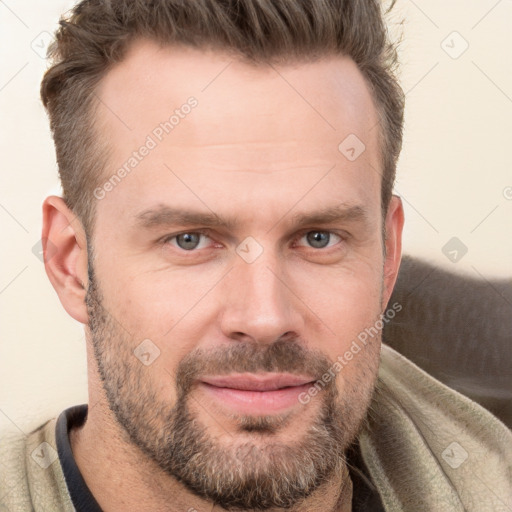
[[251, 357]]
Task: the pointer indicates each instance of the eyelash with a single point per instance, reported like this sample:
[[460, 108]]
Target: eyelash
[[206, 233]]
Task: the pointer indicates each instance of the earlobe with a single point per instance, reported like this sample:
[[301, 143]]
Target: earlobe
[[394, 226], [65, 256]]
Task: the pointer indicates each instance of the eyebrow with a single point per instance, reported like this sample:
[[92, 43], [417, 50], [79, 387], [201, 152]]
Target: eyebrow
[[164, 216]]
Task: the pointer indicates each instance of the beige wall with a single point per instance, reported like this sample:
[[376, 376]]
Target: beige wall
[[455, 177]]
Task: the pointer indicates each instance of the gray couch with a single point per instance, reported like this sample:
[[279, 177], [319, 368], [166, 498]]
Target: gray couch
[[458, 329]]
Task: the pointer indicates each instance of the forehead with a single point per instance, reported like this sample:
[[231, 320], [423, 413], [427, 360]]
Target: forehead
[[251, 124], [330, 91]]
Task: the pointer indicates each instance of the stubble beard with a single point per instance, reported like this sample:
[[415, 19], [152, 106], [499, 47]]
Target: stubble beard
[[260, 472]]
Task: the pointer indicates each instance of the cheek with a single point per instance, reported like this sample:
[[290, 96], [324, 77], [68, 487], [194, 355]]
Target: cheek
[[347, 301], [159, 303], [166, 314], [350, 307]]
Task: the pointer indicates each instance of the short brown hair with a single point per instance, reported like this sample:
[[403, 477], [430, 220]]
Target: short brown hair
[[97, 34]]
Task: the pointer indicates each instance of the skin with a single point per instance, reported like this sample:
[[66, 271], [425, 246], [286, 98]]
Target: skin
[[257, 152]]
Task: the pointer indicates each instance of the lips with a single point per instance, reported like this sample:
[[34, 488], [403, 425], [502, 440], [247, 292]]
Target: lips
[[256, 394], [252, 382]]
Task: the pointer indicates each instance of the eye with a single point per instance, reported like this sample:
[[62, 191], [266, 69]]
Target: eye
[[187, 241], [193, 240], [320, 239]]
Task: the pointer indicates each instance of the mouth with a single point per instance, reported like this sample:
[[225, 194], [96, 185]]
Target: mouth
[[257, 394]]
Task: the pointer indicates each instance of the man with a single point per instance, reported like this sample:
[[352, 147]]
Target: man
[[229, 238]]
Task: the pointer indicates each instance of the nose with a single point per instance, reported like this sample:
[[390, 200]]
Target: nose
[[260, 303]]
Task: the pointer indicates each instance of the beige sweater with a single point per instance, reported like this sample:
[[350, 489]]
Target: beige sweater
[[428, 449]]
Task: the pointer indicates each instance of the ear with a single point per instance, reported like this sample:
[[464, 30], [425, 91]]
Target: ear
[[394, 223], [65, 256]]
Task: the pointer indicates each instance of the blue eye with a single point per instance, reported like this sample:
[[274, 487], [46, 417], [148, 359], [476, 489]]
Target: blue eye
[[186, 241], [319, 239]]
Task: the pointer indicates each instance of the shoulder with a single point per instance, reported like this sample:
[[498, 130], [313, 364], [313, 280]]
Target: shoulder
[[426, 444], [31, 476]]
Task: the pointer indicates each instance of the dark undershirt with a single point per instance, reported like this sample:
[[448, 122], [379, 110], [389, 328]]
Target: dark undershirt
[[81, 496], [365, 497]]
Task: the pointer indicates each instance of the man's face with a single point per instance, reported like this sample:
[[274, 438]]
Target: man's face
[[245, 313]]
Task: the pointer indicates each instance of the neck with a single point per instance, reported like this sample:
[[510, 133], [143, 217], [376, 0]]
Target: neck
[[122, 478]]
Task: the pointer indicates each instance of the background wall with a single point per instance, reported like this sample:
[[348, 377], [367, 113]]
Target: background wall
[[455, 177]]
